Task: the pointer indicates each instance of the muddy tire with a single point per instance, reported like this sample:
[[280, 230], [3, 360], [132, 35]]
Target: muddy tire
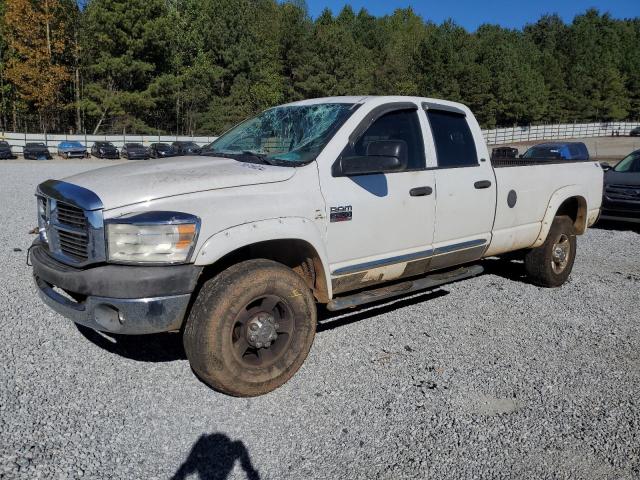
[[250, 328], [550, 264]]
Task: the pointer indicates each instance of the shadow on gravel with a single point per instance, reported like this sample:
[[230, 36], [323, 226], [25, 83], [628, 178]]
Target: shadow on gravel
[[617, 226], [506, 268], [160, 347], [329, 320], [213, 456]]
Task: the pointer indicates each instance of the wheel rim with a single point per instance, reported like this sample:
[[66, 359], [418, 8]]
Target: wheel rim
[[560, 254], [262, 331]]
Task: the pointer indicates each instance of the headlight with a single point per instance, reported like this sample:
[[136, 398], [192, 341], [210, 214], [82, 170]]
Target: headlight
[[153, 237]]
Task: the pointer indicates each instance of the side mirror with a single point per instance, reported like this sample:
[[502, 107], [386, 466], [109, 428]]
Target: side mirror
[[605, 166], [383, 156]]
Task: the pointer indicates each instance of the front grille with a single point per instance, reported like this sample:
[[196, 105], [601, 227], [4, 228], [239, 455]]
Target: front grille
[[623, 192], [71, 229], [73, 244], [70, 215], [71, 224]]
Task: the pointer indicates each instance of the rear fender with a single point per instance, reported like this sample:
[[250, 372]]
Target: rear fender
[[557, 199]]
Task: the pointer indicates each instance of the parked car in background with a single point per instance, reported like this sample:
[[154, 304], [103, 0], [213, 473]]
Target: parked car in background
[[504, 152], [558, 151], [72, 149], [135, 151], [105, 150], [635, 132], [621, 200], [186, 148], [36, 151], [5, 151], [161, 150]]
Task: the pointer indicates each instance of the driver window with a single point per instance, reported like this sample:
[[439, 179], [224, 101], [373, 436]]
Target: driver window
[[401, 125]]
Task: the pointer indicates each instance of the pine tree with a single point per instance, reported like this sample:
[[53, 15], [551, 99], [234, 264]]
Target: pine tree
[[125, 46]]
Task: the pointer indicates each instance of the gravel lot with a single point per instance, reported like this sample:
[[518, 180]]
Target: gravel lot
[[487, 378]]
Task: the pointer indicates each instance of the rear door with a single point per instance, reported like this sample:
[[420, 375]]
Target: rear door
[[465, 187]]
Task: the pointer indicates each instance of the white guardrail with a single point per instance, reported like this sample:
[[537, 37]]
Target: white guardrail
[[499, 136]]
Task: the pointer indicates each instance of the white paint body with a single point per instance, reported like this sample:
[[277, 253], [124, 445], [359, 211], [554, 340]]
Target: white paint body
[[241, 204]]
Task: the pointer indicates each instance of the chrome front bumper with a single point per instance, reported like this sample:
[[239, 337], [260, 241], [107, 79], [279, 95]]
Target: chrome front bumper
[[131, 316]]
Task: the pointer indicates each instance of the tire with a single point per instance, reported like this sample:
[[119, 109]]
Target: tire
[[550, 264], [218, 333]]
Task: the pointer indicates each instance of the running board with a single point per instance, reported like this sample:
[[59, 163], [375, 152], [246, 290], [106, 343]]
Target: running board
[[392, 291]]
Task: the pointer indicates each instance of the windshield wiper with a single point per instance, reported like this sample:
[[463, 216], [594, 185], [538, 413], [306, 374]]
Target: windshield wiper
[[261, 156]]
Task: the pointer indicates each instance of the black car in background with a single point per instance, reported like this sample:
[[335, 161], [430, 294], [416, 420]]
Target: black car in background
[[635, 132], [621, 200], [161, 150], [105, 150], [186, 148], [36, 151], [135, 151], [5, 151], [504, 152]]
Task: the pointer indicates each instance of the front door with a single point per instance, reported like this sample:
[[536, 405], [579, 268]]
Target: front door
[[381, 225]]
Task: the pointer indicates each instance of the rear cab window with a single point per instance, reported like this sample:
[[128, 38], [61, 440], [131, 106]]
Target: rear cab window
[[454, 142]]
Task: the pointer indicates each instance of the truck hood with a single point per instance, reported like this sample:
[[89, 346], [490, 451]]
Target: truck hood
[[622, 178], [130, 183]]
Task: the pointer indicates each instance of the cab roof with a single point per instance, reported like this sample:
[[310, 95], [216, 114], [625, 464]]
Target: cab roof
[[379, 99]]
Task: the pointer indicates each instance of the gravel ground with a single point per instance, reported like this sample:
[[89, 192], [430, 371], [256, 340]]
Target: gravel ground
[[490, 377]]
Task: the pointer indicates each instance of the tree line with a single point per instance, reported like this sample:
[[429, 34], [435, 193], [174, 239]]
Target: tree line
[[200, 66]]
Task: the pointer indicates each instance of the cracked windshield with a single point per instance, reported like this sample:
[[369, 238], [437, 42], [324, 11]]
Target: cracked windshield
[[288, 134]]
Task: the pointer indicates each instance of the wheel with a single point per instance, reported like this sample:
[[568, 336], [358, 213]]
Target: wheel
[[550, 264], [250, 328]]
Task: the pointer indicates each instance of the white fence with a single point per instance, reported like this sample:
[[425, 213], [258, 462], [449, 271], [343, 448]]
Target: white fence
[[498, 136], [501, 136], [18, 140]]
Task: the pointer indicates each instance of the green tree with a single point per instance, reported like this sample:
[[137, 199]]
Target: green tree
[[399, 38], [518, 87], [594, 80], [549, 34], [125, 47]]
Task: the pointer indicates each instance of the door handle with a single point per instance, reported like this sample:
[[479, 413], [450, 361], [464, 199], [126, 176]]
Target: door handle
[[420, 191], [482, 184]]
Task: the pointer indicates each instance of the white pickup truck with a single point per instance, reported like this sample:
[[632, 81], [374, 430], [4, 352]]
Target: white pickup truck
[[337, 201]]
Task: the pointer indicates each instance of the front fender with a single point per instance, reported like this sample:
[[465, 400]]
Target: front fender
[[557, 199], [287, 228]]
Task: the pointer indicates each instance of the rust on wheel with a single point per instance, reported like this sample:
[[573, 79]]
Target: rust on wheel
[[560, 254]]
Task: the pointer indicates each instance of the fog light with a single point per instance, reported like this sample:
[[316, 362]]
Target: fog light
[[108, 317]]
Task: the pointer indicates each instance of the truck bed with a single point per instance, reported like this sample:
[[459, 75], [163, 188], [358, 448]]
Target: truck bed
[[526, 190]]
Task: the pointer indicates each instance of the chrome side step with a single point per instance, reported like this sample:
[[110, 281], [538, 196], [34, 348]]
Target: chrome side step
[[399, 289]]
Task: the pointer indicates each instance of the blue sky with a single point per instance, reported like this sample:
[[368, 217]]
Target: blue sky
[[473, 13]]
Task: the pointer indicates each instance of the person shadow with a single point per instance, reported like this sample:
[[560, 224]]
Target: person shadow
[[213, 456]]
